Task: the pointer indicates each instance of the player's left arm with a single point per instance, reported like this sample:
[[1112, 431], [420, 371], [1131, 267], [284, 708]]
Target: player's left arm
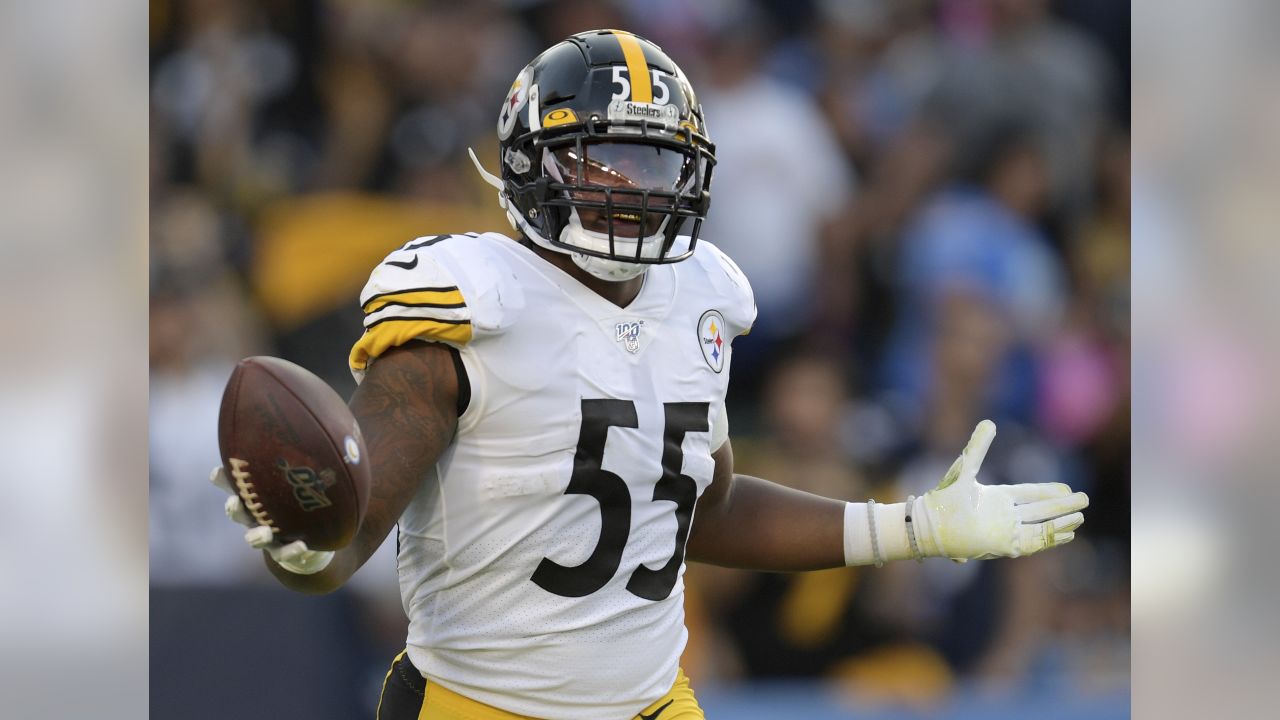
[[746, 522]]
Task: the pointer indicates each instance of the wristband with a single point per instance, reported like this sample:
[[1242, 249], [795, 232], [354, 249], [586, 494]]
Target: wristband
[[875, 539], [874, 533]]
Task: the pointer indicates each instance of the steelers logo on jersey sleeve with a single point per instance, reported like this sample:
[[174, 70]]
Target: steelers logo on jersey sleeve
[[711, 338]]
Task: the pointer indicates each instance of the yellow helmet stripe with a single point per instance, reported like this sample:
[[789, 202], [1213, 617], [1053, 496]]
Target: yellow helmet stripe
[[641, 86]]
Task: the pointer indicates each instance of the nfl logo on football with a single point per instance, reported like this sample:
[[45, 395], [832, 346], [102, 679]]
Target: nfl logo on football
[[629, 335]]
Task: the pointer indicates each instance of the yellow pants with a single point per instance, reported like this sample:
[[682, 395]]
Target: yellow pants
[[404, 689]]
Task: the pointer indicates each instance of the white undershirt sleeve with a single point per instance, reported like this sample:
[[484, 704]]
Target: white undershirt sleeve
[[719, 426]]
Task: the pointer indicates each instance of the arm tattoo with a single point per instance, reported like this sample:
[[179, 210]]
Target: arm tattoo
[[407, 410]]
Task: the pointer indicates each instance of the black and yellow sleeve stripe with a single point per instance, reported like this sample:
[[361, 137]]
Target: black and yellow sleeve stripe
[[395, 318]]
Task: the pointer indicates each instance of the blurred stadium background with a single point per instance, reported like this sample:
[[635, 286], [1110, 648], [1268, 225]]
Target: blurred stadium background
[[931, 198]]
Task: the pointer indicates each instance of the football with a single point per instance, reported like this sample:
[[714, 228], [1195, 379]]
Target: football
[[293, 452]]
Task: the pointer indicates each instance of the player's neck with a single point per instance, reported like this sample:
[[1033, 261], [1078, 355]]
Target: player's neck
[[619, 293]]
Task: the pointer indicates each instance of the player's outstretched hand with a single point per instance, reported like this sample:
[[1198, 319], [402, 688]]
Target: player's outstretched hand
[[964, 520], [294, 556]]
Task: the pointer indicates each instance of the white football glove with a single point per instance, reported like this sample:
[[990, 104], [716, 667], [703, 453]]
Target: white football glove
[[963, 520], [294, 556]]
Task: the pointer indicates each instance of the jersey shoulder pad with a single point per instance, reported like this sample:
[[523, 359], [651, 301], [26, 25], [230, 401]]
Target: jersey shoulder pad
[[728, 281], [441, 288]]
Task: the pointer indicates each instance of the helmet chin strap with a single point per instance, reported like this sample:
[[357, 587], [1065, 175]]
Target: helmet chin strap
[[598, 267]]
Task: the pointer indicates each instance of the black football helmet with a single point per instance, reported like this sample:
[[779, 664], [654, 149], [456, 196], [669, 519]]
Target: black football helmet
[[605, 154]]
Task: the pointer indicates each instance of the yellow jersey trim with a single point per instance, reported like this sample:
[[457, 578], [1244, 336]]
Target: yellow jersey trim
[[441, 298], [393, 332]]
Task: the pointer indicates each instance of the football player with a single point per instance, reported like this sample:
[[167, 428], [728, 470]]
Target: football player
[[546, 421]]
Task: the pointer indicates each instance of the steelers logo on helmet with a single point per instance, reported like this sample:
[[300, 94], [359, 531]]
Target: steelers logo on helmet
[[619, 169], [515, 101]]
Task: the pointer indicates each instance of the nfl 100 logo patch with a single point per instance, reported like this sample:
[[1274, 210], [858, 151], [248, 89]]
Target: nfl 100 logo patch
[[628, 333]]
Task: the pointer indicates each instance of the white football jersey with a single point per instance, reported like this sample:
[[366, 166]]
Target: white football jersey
[[541, 564]]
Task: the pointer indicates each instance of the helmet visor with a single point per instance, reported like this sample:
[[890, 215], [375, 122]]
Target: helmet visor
[[624, 166], [623, 189]]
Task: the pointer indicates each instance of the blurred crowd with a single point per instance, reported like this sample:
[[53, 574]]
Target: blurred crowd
[[930, 198]]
